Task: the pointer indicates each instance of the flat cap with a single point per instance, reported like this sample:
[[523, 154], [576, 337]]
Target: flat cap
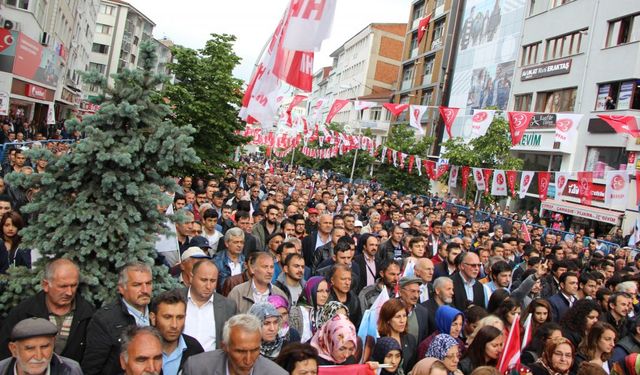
[[410, 280], [33, 327]]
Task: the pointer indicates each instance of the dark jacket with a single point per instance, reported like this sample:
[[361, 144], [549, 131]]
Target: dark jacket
[[460, 295], [353, 304], [364, 270], [559, 306], [193, 348], [58, 366], [423, 322], [36, 306], [387, 251], [21, 257], [103, 339], [627, 345]]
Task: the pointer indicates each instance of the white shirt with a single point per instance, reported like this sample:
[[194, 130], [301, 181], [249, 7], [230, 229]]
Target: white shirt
[[235, 267], [200, 322], [259, 296]]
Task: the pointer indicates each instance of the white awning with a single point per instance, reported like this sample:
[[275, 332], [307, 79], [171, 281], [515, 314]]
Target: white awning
[[587, 212]]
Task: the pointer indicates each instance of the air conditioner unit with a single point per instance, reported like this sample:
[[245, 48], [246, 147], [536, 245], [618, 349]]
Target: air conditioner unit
[[44, 39], [11, 25]]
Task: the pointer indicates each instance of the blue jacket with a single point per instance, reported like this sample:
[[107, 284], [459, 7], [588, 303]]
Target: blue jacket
[[222, 262]]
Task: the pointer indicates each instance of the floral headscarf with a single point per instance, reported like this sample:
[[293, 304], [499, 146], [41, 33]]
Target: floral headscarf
[[440, 346], [335, 333], [263, 311], [328, 311], [549, 349]]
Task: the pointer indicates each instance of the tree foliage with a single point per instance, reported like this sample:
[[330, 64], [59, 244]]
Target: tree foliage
[[207, 96], [98, 204]]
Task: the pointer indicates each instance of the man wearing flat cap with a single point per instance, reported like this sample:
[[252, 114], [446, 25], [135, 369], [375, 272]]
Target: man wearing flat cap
[[417, 315], [31, 344]]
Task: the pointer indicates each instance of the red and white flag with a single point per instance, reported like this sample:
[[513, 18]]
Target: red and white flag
[[518, 123], [478, 177], [448, 115], [615, 195], [487, 177], [337, 106], [562, 178], [464, 172], [294, 102], [453, 176], [510, 356], [622, 124], [511, 181], [309, 24], [360, 105], [480, 122], [525, 233], [395, 109], [585, 187], [567, 130], [528, 335], [499, 183], [417, 111], [543, 184], [423, 25], [525, 180]]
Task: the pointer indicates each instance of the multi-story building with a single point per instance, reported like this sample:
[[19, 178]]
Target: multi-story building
[[573, 55]]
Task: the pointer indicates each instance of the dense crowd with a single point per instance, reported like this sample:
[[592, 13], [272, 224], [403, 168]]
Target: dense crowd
[[283, 272]]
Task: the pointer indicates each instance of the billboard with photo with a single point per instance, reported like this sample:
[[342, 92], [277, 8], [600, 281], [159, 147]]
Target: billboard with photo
[[489, 42], [36, 62]]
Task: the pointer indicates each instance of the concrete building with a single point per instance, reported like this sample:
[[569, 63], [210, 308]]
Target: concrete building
[[573, 54]]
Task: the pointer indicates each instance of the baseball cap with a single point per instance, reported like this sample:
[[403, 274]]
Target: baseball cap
[[358, 223], [200, 241], [194, 252], [312, 211]]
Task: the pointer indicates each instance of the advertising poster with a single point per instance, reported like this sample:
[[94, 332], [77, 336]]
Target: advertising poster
[[603, 92], [35, 62], [8, 40], [624, 98], [485, 60]]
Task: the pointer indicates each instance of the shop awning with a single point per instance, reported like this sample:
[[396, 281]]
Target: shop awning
[[587, 212]]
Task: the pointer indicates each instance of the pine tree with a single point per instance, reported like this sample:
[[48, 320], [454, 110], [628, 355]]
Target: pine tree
[[99, 204]]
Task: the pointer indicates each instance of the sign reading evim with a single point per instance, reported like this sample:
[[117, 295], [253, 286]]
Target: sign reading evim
[[531, 140]]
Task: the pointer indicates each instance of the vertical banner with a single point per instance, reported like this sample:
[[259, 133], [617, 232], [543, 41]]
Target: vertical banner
[[448, 116], [525, 181], [465, 176], [518, 123], [567, 130], [511, 181], [415, 120], [615, 195], [543, 184], [480, 122], [412, 160], [51, 115], [338, 104], [562, 178], [487, 177], [430, 167], [499, 183], [478, 177], [441, 168], [585, 187], [453, 176]]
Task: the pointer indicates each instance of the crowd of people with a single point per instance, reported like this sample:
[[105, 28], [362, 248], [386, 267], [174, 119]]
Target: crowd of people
[[281, 271]]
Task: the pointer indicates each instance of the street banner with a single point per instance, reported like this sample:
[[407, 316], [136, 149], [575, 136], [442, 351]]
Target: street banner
[[622, 124], [360, 105], [465, 176], [448, 116], [487, 177], [511, 181], [543, 184], [417, 111], [453, 176], [518, 123], [499, 184], [585, 187], [481, 121], [562, 178], [395, 109], [567, 130], [478, 177], [525, 181], [615, 195]]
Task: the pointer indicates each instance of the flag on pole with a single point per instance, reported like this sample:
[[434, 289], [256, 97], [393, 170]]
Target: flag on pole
[[422, 27], [622, 124], [395, 109], [518, 123], [526, 337], [510, 356], [338, 104], [360, 105], [369, 322], [525, 233], [309, 24], [448, 116]]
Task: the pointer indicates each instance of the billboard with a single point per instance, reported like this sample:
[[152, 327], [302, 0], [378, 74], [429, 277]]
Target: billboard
[[35, 62], [489, 42]]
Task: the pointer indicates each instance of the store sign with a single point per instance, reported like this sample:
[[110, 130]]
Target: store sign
[[572, 190], [68, 96], [34, 91], [531, 140], [546, 70], [605, 216], [543, 120], [536, 141]]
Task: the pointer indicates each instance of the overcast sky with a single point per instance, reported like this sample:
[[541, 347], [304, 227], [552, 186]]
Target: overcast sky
[[189, 23]]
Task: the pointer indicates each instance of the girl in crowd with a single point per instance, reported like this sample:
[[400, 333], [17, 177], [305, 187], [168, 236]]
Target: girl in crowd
[[484, 351], [490, 320], [449, 320], [316, 294], [544, 334], [336, 342], [598, 345], [388, 351], [445, 348], [298, 359], [10, 252], [288, 333], [540, 311], [579, 319], [557, 358], [507, 312]]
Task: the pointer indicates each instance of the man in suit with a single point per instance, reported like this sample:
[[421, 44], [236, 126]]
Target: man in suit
[[315, 240], [167, 315], [418, 316], [467, 290], [367, 263], [448, 267], [205, 307], [240, 353], [433, 243], [566, 296]]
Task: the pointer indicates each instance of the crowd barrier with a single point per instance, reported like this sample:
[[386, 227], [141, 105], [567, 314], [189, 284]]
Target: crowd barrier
[[5, 147]]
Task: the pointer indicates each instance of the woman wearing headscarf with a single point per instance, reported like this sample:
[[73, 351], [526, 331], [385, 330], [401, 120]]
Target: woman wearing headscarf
[[288, 333], [449, 320], [272, 342], [388, 351], [336, 342], [445, 348], [429, 366], [304, 316], [328, 311], [557, 358]]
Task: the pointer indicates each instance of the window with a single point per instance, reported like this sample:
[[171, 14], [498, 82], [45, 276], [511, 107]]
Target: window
[[375, 114], [556, 101], [438, 29], [413, 46], [537, 6], [565, 45], [418, 12], [136, 40], [530, 54], [22, 4], [107, 9], [624, 30], [103, 29], [99, 67], [427, 97], [100, 48], [624, 95], [557, 3], [428, 70], [132, 58], [600, 159], [522, 102], [407, 77]]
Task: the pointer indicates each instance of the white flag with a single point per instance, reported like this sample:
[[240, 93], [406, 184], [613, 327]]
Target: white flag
[[567, 130], [51, 115], [499, 183], [478, 177], [525, 181], [453, 176], [561, 182], [480, 122], [615, 195], [359, 105], [416, 112], [309, 25]]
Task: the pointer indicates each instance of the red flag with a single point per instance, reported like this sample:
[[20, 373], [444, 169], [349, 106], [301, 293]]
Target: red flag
[[487, 177], [389, 156], [422, 27], [526, 337], [622, 124], [525, 233], [448, 116], [465, 176], [395, 109], [518, 123], [296, 100], [348, 369], [442, 169], [510, 356], [338, 104], [412, 160], [585, 187], [543, 184], [430, 166], [511, 181]]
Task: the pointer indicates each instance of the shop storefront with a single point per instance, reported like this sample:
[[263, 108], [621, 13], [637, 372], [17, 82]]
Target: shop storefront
[[30, 102]]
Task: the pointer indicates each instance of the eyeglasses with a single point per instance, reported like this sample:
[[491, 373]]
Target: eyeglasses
[[474, 265], [453, 356], [561, 354]]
